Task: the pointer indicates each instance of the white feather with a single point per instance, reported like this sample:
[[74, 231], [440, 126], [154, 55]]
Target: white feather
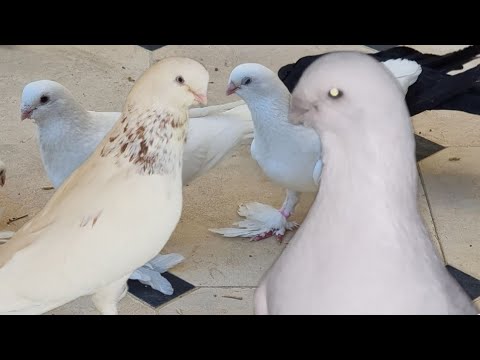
[[115, 212], [68, 134], [289, 155], [405, 71]]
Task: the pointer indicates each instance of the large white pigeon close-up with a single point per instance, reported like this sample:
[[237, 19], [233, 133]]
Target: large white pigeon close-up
[[117, 210], [363, 247], [68, 134], [289, 155]]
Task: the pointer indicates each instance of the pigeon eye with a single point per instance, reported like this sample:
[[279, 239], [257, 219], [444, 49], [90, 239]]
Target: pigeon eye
[[180, 80], [44, 99], [335, 93], [247, 81]]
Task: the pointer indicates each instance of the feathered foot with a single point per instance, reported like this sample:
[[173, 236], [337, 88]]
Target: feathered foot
[[262, 221], [5, 235], [150, 273]]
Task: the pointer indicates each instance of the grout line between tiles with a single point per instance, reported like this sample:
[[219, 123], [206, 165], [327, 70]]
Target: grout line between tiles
[[157, 309], [227, 287], [431, 213], [173, 300], [150, 59]]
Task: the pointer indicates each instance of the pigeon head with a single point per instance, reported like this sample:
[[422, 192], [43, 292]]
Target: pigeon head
[[347, 93], [252, 81], [45, 99], [175, 81]]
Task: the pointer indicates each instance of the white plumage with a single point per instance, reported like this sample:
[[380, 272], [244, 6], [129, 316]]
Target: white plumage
[[363, 247], [68, 134], [405, 71], [289, 155], [117, 210]]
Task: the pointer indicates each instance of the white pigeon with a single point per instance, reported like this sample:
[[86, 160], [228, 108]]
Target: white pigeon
[[363, 247], [68, 134], [117, 210], [289, 155]]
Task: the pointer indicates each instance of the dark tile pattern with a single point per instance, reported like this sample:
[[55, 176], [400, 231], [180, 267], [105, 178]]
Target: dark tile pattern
[[381, 47], [425, 148], [155, 298], [467, 282], [151, 47]]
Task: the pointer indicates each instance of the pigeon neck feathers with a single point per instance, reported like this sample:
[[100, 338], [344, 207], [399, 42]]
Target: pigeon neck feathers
[[70, 121], [68, 114], [368, 151], [144, 138], [270, 113], [374, 178]]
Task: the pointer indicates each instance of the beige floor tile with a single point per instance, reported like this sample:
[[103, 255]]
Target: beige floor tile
[[129, 305], [220, 60], [452, 184], [211, 202], [132, 57], [98, 78], [212, 301], [448, 128], [477, 304], [427, 218]]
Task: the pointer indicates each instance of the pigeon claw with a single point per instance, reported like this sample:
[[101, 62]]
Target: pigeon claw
[[262, 236], [278, 235]]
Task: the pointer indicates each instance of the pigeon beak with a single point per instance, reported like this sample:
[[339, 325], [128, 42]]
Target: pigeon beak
[[26, 114], [201, 99], [297, 111], [232, 88]]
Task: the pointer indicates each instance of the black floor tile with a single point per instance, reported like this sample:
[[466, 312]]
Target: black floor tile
[[467, 282], [151, 47], [381, 47], [426, 148], [155, 298]]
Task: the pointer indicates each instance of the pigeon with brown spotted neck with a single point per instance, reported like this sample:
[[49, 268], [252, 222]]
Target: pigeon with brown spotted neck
[[68, 134], [103, 222]]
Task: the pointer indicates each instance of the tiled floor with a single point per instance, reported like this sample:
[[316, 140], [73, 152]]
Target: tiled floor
[[223, 272]]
